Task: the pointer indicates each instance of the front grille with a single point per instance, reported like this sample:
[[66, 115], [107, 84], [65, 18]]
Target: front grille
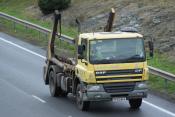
[[120, 78], [119, 72], [119, 87]]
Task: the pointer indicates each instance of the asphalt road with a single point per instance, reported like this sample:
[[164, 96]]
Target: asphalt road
[[23, 93]]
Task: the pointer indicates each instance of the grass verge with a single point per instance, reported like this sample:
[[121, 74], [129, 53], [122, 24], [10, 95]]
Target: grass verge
[[162, 62]]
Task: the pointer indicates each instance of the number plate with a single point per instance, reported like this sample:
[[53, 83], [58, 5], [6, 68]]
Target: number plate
[[116, 99]]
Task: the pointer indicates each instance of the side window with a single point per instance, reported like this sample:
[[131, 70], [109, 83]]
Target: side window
[[84, 44]]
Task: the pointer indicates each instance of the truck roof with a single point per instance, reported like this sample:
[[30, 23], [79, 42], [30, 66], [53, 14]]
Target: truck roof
[[110, 35]]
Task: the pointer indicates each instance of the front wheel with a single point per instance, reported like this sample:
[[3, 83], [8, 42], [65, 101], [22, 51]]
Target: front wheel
[[135, 103], [82, 105]]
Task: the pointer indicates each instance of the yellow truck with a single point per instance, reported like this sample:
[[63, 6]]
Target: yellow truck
[[106, 66]]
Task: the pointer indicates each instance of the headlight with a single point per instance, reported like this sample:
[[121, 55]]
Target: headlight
[[94, 88], [141, 85]]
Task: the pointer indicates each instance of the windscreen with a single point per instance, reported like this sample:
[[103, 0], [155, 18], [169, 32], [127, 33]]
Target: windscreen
[[108, 51]]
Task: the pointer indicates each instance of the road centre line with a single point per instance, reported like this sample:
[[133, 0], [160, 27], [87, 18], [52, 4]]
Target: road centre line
[[34, 53]]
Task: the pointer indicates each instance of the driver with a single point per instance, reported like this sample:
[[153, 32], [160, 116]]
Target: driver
[[96, 53]]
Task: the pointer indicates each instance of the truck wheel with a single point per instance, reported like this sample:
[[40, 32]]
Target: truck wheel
[[82, 105], [135, 103], [54, 90]]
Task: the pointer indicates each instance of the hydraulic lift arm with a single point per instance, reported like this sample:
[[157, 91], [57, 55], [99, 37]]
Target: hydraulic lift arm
[[108, 27]]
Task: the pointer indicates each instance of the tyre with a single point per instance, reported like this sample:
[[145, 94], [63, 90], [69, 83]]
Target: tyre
[[82, 105], [54, 90], [135, 103]]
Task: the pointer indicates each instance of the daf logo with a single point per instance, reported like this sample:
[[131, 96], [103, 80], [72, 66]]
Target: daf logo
[[100, 72]]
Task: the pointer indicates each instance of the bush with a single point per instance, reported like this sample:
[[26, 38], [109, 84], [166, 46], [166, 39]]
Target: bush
[[49, 6]]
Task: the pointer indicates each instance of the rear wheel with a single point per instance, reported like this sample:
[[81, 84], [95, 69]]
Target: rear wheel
[[54, 90], [82, 105], [135, 103]]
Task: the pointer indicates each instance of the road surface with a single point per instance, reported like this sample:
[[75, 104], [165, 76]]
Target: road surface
[[23, 93]]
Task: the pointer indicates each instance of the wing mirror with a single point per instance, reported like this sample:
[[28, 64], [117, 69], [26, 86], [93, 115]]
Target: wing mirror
[[151, 48], [81, 49]]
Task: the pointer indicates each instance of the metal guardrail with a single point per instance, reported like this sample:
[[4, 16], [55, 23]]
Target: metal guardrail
[[161, 73], [34, 26], [154, 71]]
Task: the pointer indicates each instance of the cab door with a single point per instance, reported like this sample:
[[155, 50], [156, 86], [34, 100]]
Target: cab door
[[82, 66]]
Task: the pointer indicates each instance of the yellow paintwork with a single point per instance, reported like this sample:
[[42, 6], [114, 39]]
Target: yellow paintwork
[[109, 35], [120, 66], [146, 71], [86, 72]]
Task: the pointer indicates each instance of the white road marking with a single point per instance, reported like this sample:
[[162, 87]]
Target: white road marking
[[39, 99], [25, 49], [34, 53], [159, 108]]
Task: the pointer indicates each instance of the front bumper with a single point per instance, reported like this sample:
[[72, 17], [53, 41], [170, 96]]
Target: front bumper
[[106, 96], [103, 96]]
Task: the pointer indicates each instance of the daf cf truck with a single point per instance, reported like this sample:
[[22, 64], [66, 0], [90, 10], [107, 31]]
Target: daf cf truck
[[105, 66]]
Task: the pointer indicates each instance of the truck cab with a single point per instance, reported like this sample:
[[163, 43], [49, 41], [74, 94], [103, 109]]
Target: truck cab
[[112, 65]]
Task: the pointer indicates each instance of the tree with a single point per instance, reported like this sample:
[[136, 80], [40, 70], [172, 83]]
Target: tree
[[49, 6]]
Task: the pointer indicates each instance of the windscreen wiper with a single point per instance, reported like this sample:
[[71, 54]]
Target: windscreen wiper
[[104, 61], [134, 58]]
